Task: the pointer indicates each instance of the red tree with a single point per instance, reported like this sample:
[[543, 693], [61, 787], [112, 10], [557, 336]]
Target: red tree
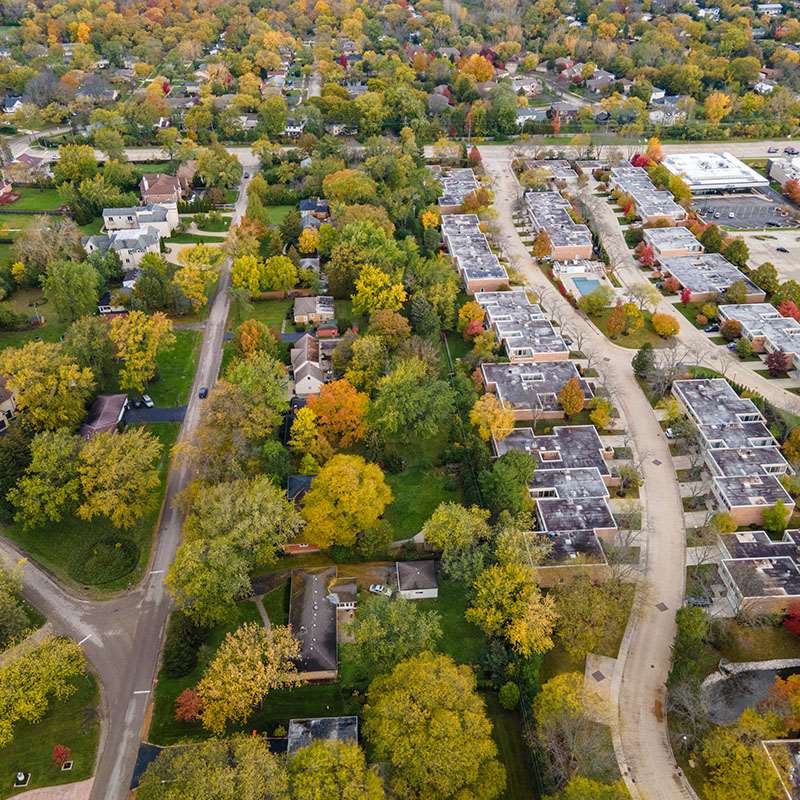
[[645, 254], [792, 190], [188, 706], [474, 156], [474, 327], [671, 284], [792, 619], [686, 296], [778, 362], [61, 754], [640, 160], [788, 308], [555, 123]]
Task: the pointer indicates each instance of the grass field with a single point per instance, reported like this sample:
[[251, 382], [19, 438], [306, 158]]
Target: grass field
[[633, 340], [12, 225], [20, 302], [193, 238], [509, 738], [76, 550], [276, 214], [216, 227], [271, 312], [72, 722], [160, 166], [417, 492], [31, 199], [176, 368], [92, 228], [5, 253]]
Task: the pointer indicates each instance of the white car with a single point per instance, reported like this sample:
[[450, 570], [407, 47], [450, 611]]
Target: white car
[[669, 433], [148, 401], [379, 588]]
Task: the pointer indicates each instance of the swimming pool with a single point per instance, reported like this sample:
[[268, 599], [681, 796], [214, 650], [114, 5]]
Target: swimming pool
[[585, 285]]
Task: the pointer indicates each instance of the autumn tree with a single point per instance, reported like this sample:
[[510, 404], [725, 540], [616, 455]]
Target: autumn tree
[[50, 487], [375, 291], [259, 384], [308, 241], [571, 397], [340, 413], [384, 634], [239, 768], [403, 715], [391, 326], [28, 682], [778, 362], [508, 603], [542, 245], [87, 342], [139, 339], [654, 150], [50, 389], [717, 106], [456, 527], [118, 475], [349, 186], [280, 274], [188, 706], [478, 67], [470, 312], [581, 788], [13, 618], [348, 496], [791, 445], [491, 418], [665, 325], [253, 336], [327, 769], [615, 324]]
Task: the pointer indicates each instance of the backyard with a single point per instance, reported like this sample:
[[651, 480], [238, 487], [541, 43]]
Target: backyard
[[22, 302], [94, 556], [176, 368], [73, 722], [32, 199]]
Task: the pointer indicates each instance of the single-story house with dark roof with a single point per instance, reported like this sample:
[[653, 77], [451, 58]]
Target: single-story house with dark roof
[[105, 415], [302, 732], [416, 580], [313, 623]]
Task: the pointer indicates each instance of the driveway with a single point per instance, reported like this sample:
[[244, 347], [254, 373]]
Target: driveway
[[140, 416]]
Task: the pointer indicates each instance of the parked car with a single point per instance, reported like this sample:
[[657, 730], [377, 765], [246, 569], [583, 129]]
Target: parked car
[[379, 588], [567, 341], [731, 215], [712, 328], [669, 433], [717, 214], [772, 149], [782, 249], [791, 151], [148, 401], [203, 393], [731, 345], [137, 403], [699, 601]]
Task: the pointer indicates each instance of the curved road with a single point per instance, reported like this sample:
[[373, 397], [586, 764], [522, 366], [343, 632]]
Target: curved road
[[122, 636], [639, 728]]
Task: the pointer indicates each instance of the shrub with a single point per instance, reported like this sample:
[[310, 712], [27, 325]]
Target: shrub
[[744, 348], [183, 641], [731, 329], [665, 325], [701, 319], [509, 696]]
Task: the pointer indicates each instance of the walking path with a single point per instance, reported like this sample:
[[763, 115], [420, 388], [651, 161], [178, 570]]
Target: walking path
[[70, 791], [638, 692]]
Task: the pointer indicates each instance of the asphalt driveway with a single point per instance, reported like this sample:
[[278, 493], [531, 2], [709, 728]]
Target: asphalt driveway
[[139, 416]]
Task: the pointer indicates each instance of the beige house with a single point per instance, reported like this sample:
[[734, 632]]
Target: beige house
[[8, 405]]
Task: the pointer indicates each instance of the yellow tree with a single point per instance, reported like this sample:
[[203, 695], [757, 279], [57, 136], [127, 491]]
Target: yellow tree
[[571, 397], [139, 339], [430, 218], [50, 389], [375, 291], [348, 496], [193, 282], [340, 411], [247, 272], [254, 336], [309, 240], [280, 274], [306, 437], [119, 476], [665, 325], [717, 106], [250, 662], [490, 418], [478, 67], [508, 603], [654, 151]]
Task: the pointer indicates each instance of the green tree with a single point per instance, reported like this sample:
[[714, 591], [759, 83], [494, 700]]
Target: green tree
[[13, 619], [139, 339], [766, 277], [504, 486], [509, 695], [454, 527], [744, 348], [410, 402], [51, 486], [736, 293], [580, 788], [385, 633], [72, 287], [75, 162], [110, 142], [644, 360], [737, 252], [776, 518], [280, 274], [428, 706], [332, 769], [88, 343]]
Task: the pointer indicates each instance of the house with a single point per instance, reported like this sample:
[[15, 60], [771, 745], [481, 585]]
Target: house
[[316, 207], [558, 168], [650, 204], [531, 390], [600, 80], [302, 732], [671, 242], [160, 217], [707, 275], [160, 188], [313, 622], [769, 9], [27, 168], [668, 109], [311, 364], [343, 594], [456, 185], [549, 212], [130, 245], [297, 486], [532, 115], [766, 329], [96, 89], [12, 103], [521, 326], [8, 405], [478, 266], [710, 173], [416, 580], [294, 128], [313, 310], [105, 415]]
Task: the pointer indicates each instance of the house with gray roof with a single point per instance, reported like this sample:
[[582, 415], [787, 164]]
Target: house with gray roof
[[766, 329], [478, 266], [549, 212], [651, 204], [708, 275], [130, 245], [161, 217], [311, 364]]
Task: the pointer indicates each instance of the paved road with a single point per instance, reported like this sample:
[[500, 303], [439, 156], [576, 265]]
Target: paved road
[[122, 637]]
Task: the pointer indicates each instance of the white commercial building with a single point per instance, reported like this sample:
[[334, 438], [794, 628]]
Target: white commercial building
[[706, 173]]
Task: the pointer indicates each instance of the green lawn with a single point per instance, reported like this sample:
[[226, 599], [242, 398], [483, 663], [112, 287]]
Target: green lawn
[[417, 491], [270, 312], [176, 368], [73, 722], [12, 225], [5, 253], [92, 228], [690, 311], [216, 227], [83, 554], [509, 737], [276, 604], [276, 214], [31, 199], [20, 302], [160, 166], [747, 643]]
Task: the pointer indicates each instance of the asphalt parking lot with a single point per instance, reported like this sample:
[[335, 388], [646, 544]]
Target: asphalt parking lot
[[745, 211]]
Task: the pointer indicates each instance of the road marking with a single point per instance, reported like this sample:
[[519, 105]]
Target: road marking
[[88, 636], [143, 691], [157, 571]]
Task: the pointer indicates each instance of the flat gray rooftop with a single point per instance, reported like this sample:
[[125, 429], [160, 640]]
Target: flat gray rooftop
[[706, 272], [416, 575], [470, 248], [456, 185], [757, 544], [591, 513], [713, 401], [649, 201], [753, 490], [744, 461], [672, 238], [763, 319], [568, 484], [532, 386], [549, 211], [557, 167], [568, 447], [765, 577]]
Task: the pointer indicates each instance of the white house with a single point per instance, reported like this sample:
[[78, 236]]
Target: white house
[[161, 217], [130, 245]]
